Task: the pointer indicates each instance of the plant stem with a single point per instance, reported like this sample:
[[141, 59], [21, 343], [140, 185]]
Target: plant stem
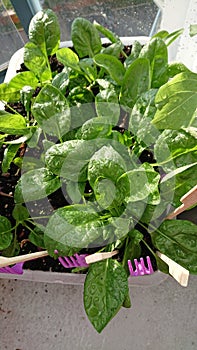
[[152, 252], [38, 217]]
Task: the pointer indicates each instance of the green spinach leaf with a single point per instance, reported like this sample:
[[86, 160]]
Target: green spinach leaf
[[176, 102], [175, 148], [10, 92], [175, 68], [107, 105], [106, 163], [143, 183], [168, 37], [44, 31], [178, 240], [136, 49], [140, 119], [5, 232], [8, 156], [156, 52], [20, 213], [61, 81], [51, 105], [36, 236], [37, 62], [95, 127], [70, 158], [106, 32], [74, 227], [13, 124], [105, 290], [88, 68], [85, 38], [136, 81], [35, 184], [113, 66], [68, 58]]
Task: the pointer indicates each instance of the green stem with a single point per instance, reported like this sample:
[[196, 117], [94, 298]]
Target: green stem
[[124, 260], [149, 248], [29, 228], [124, 54], [13, 228], [38, 217]]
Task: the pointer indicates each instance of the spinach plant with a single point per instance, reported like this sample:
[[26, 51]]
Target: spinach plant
[[116, 132]]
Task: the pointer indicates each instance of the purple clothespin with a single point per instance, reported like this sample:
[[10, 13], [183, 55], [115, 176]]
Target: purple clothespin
[[75, 260], [16, 269], [140, 268]]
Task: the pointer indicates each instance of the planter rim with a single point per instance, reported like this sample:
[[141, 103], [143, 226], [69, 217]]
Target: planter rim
[[78, 279], [73, 278]]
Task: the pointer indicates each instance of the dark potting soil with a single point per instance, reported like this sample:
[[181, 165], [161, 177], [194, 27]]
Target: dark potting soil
[[57, 199]]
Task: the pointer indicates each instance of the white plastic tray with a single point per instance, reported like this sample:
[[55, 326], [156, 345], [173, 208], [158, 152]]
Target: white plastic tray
[[78, 279]]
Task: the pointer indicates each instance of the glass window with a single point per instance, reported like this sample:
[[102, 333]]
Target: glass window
[[124, 17], [12, 35]]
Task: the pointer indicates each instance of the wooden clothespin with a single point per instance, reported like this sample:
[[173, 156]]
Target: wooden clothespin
[[99, 256], [4, 261], [189, 199], [178, 272]]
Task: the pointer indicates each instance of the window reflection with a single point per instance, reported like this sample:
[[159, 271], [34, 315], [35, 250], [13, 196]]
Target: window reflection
[[124, 17]]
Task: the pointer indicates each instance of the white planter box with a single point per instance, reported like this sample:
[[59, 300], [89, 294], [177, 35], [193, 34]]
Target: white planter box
[[73, 278]]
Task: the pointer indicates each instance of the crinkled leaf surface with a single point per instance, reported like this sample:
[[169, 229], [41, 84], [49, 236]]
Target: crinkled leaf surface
[[51, 105], [136, 48], [13, 124], [61, 81], [176, 102], [8, 156], [5, 232], [20, 213], [142, 183], [113, 66], [36, 184], [104, 168], [44, 31], [176, 151], [136, 81], [74, 227], [37, 62], [107, 105], [10, 92], [157, 54], [175, 148], [68, 58], [113, 49], [106, 163], [140, 119], [56, 155], [105, 290], [178, 240], [85, 38], [95, 128]]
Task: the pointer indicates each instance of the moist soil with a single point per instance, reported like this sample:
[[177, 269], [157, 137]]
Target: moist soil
[[58, 199]]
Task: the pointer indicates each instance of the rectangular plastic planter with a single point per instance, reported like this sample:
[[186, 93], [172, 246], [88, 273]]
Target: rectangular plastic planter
[[73, 278]]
